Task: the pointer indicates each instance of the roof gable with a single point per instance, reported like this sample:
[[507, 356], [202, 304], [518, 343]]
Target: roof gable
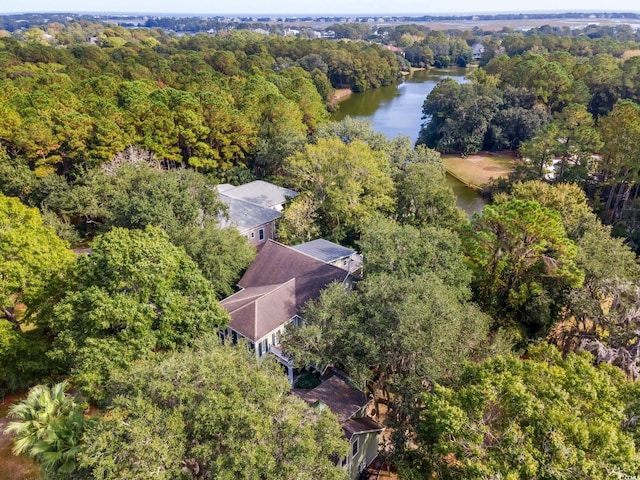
[[257, 311], [275, 287]]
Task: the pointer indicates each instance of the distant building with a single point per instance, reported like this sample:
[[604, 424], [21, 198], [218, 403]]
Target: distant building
[[259, 192], [478, 51], [253, 209]]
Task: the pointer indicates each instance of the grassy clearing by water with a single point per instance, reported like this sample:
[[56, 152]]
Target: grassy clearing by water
[[477, 170]]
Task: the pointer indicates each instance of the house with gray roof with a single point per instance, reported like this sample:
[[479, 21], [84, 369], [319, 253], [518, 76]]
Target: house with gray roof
[[274, 289], [253, 208], [351, 405]]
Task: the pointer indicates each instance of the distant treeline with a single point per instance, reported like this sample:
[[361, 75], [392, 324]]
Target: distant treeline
[[204, 23], [210, 102]]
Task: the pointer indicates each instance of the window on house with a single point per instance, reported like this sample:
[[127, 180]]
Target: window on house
[[261, 234], [260, 349], [354, 447], [253, 234]]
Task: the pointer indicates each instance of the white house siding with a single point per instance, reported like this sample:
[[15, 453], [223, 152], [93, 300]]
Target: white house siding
[[367, 452]]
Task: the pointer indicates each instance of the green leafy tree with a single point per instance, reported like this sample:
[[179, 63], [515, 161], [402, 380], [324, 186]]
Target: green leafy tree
[[458, 117], [424, 198], [135, 294], [30, 255], [408, 323], [31, 258], [540, 417], [620, 133], [392, 335], [349, 183], [210, 412], [405, 250], [522, 260], [221, 254], [48, 427], [297, 224], [567, 199], [136, 195]]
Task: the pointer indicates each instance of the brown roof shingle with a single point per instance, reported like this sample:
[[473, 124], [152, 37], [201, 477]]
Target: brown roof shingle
[[354, 426], [277, 263], [275, 287], [256, 311], [342, 398]]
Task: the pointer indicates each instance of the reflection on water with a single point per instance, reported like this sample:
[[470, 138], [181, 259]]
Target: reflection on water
[[467, 198], [397, 110]]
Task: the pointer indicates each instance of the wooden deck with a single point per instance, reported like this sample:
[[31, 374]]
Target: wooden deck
[[381, 472]]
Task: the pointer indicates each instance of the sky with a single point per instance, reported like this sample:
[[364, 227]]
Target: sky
[[293, 7]]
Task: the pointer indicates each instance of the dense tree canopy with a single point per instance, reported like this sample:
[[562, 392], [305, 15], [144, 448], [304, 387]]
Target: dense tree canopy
[[348, 184], [210, 412], [408, 323], [521, 258], [135, 294], [30, 255], [539, 417]]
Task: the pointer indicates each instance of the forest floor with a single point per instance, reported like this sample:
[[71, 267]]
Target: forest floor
[[478, 169], [12, 467]]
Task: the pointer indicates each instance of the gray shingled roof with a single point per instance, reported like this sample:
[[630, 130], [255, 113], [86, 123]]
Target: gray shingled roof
[[261, 193], [245, 215], [324, 250]]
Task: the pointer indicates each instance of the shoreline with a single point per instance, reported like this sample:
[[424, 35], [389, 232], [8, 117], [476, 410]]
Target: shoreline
[[339, 95], [477, 170]]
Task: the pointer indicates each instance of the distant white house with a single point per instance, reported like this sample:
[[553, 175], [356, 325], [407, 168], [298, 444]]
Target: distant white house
[[478, 51]]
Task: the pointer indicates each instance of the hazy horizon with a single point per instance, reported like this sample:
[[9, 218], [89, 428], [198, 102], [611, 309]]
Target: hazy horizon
[[315, 8]]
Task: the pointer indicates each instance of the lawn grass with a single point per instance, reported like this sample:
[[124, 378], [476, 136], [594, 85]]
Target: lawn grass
[[477, 170]]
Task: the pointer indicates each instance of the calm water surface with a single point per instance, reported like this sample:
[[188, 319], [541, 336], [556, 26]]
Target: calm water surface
[[397, 110]]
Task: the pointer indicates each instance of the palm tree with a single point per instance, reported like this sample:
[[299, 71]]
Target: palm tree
[[49, 427]]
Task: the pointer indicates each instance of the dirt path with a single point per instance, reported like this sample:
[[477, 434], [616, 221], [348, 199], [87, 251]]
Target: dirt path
[[12, 467]]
